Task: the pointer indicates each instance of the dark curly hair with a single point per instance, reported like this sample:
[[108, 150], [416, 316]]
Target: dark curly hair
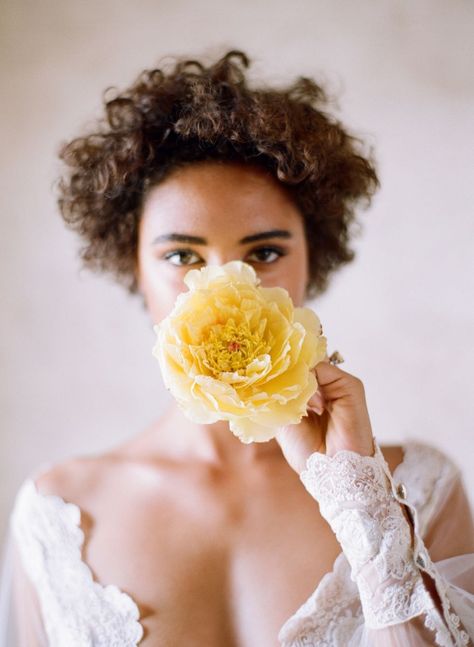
[[191, 113]]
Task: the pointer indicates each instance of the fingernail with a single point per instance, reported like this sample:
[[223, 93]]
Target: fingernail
[[317, 409]]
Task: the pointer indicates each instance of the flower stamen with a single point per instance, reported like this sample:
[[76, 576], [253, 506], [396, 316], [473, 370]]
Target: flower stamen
[[230, 348]]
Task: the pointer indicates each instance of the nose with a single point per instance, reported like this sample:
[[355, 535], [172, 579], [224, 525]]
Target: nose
[[222, 257]]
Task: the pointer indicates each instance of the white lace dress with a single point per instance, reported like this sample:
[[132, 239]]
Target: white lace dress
[[374, 596]]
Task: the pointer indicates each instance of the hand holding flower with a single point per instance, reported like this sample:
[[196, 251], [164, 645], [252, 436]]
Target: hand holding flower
[[337, 419], [232, 350]]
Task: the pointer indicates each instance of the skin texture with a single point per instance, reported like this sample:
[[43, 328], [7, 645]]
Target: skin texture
[[222, 543]]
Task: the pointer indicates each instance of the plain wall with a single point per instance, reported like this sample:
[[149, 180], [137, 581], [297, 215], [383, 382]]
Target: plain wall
[[77, 371]]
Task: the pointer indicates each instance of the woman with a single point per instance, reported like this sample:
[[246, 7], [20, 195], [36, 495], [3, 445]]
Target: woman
[[184, 534]]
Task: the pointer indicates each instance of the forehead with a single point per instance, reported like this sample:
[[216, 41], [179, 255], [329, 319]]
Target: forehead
[[212, 194]]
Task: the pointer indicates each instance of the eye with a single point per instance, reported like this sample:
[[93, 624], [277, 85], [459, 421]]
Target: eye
[[265, 252], [184, 254]]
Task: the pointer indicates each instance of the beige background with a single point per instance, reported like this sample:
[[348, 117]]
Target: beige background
[[77, 370]]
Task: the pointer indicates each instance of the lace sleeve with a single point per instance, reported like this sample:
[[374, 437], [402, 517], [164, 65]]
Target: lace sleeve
[[403, 592]]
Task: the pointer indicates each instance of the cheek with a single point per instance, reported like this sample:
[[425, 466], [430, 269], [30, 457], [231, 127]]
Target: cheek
[[160, 298], [298, 281], [298, 269], [159, 289], [296, 276], [292, 276]]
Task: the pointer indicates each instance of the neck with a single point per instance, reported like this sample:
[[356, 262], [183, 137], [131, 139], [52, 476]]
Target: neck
[[215, 444]]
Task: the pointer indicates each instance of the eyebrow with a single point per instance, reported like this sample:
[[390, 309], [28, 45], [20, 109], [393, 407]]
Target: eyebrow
[[181, 238], [197, 240]]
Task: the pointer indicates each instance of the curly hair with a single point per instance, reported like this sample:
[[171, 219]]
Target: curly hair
[[192, 112]]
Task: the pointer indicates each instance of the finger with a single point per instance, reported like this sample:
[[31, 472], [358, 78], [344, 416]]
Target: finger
[[335, 383], [316, 402], [326, 373], [316, 398], [318, 407]]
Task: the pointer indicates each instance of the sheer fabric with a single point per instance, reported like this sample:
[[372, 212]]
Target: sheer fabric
[[405, 575], [20, 613]]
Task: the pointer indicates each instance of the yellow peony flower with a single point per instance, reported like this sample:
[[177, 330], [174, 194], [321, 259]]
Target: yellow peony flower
[[232, 350]]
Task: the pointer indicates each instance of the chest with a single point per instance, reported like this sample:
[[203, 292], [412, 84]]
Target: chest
[[213, 561]]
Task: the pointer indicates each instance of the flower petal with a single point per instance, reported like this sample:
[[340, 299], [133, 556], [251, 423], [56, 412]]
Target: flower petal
[[234, 350]]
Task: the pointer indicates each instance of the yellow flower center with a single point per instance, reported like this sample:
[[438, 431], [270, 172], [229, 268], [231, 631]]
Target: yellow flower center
[[231, 347]]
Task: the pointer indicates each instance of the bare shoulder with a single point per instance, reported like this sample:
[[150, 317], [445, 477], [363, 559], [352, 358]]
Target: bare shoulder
[[393, 454], [73, 479], [89, 480]]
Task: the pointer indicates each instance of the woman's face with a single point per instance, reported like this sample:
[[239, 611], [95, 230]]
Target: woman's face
[[209, 213]]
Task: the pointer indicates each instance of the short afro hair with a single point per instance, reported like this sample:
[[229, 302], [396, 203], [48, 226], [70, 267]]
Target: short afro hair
[[191, 112]]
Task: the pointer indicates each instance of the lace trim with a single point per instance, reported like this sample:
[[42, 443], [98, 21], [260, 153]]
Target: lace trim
[[76, 610], [330, 616], [355, 499], [359, 499]]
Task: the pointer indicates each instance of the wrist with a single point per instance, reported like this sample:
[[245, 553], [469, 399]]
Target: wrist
[[366, 448]]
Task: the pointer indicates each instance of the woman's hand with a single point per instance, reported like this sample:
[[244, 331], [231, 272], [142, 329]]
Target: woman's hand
[[337, 419]]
